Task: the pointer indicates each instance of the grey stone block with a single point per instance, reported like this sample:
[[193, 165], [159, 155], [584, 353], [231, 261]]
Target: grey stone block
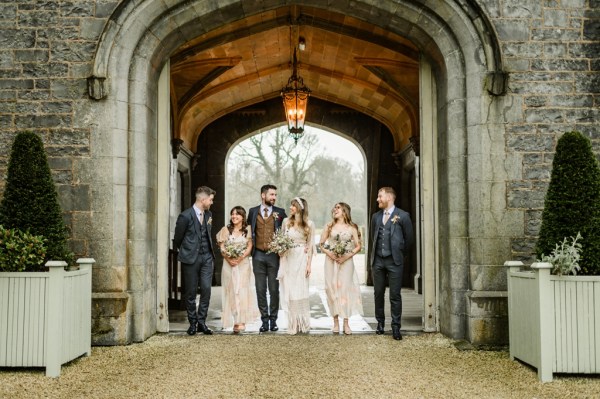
[[553, 34], [73, 51], [42, 121], [556, 18], [32, 55], [74, 198], [38, 18], [526, 199], [560, 65], [39, 70], [76, 9], [17, 38], [512, 30]]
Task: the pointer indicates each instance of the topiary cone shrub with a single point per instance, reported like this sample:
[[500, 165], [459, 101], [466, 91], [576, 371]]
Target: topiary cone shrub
[[572, 202], [30, 201]]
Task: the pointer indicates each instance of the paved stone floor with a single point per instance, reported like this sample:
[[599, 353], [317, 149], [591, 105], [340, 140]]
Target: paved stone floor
[[321, 322]]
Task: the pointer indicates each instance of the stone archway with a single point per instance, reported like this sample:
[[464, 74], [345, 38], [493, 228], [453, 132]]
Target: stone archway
[[456, 39]]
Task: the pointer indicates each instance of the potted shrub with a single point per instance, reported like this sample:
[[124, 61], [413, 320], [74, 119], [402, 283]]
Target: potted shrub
[[554, 308], [46, 317]]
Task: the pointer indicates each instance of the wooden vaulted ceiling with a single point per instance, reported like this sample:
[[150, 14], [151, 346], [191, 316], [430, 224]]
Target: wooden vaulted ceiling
[[346, 61]]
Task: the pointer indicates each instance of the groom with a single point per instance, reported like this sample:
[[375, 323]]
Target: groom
[[392, 235], [265, 219]]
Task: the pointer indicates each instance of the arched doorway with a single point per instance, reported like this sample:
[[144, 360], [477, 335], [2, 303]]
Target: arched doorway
[[131, 57]]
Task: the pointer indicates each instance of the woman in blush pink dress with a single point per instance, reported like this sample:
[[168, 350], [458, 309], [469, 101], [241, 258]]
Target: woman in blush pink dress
[[340, 241], [237, 278]]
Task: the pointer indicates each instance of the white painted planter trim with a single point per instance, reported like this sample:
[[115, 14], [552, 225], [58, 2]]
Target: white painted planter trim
[[46, 317], [554, 321]]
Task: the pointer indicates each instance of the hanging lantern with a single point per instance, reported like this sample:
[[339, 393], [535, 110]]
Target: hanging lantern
[[295, 100]]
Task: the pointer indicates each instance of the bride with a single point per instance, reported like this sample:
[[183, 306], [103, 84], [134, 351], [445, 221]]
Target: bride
[[294, 268], [340, 242]]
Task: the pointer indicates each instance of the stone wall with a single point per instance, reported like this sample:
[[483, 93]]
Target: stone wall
[[46, 53], [550, 50]]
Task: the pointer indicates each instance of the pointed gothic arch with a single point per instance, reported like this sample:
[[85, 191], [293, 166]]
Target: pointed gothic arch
[[454, 37]]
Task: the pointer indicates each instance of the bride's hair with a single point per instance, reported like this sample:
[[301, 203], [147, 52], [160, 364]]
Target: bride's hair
[[346, 215], [301, 216]]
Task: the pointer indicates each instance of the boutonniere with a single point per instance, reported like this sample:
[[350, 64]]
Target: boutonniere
[[210, 220], [275, 215], [395, 219]]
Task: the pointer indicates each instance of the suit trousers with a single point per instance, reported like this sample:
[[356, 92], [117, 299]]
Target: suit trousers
[[265, 267], [194, 274], [383, 269]]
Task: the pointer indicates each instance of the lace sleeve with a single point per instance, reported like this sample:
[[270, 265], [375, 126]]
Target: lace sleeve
[[222, 235]]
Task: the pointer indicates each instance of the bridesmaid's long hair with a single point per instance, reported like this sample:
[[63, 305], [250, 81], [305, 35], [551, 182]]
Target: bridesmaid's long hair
[[347, 216], [242, 212], [301, 216]]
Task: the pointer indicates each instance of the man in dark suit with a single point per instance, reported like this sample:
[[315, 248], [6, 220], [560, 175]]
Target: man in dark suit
[[392, 235], [193, 239], [265, 219]]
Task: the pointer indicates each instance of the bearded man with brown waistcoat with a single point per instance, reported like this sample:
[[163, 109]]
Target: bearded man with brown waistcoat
[[265, 219]]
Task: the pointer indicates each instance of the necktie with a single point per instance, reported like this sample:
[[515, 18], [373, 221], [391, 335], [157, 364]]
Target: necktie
[[265, 213], [386, 216], [201, 217]]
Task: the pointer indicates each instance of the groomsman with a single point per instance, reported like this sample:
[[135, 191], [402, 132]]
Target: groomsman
[[392, 235], [193, 239], [265, 219]]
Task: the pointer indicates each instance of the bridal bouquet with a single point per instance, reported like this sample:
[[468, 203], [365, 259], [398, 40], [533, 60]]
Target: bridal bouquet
[[281, 242], [338, 245], [234, 249]]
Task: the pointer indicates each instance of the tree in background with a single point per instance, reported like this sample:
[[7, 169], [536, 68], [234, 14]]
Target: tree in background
[[304, 170], [30, 201], [572, 202]]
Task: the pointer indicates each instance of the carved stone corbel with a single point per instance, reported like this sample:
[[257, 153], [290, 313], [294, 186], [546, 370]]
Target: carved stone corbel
[[96, 87]]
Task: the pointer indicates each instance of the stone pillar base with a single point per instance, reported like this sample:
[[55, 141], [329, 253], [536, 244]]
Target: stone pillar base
[[487, 318], [110, 321]]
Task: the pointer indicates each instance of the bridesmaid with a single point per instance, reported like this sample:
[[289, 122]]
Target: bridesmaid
[[340, 242], [237, 279], [295, 267]]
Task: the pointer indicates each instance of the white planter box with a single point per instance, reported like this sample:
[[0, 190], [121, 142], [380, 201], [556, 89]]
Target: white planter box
[[45, 318], [554, 321]]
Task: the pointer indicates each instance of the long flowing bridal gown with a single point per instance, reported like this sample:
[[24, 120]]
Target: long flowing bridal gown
[[341, 283], [237, 284], [293, 282]]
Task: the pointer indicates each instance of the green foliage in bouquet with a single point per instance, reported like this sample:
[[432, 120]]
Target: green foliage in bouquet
[[21, 251], [30, 201], [572, 203]]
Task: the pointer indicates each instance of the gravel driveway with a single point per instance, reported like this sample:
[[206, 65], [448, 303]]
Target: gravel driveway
[[282, 366]]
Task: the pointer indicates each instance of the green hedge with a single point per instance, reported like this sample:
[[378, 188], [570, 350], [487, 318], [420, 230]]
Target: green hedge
[[572, 202], [21, 251], [30, 201]]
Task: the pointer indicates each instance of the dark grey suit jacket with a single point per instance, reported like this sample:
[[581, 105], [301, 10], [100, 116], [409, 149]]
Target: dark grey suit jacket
[[253, 214], [187, 235], [401, 231]]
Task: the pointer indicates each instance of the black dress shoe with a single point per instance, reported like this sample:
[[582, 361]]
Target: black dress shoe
[[192, 329], [380, 328], [264, 327], [274, 325], [396, 333], [204, 329]]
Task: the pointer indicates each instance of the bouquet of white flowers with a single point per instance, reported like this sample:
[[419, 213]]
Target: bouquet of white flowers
[[280, 243], [338, 245], [234, 249]]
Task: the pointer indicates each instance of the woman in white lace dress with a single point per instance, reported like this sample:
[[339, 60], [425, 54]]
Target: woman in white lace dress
[[237, 278], [294, 267], [340, 241]]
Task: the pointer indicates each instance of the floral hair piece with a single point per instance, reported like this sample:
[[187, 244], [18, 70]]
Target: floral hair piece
[[299, 201]]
